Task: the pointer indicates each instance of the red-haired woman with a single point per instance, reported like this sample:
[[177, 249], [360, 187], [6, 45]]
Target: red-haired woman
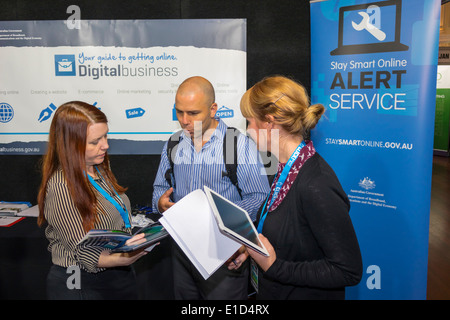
[[78, 193]]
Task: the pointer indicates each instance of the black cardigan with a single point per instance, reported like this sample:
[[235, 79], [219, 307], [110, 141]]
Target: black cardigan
[[313, 237]]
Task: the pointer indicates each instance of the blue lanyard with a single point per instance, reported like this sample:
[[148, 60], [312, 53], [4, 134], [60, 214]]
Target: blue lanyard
[[279, 184], [122, 209]]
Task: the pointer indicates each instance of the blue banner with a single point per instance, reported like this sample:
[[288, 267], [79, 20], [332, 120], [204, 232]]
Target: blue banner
[[374, 66]]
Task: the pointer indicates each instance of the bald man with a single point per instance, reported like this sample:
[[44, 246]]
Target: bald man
[[198, 162], [195, 103]]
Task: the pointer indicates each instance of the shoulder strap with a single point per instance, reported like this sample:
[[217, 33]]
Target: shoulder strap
[[231, 137], [172, 145], [230, 160]]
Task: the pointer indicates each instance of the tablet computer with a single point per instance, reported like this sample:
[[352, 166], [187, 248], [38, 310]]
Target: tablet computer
[[234, 221]]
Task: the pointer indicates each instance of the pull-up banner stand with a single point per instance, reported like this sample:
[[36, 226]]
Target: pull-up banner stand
[[374, 67]]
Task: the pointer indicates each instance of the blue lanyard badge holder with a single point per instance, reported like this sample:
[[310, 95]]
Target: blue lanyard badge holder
[[264, 212]]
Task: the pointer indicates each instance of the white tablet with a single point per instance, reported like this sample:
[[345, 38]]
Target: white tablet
[[234, 221]]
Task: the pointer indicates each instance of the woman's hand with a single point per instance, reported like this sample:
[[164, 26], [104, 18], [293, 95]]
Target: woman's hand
[[110, 260], [263, 261], [137, 239], [237, 259]]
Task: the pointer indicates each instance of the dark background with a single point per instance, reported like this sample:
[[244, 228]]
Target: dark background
[[278, 42]]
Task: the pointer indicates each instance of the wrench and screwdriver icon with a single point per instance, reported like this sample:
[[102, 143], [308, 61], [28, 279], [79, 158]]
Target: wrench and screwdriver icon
[[365, 24]]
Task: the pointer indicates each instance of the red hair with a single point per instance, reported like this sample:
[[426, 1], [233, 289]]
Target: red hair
[[66, 151]]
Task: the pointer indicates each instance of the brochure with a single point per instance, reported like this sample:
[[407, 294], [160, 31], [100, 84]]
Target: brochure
[[12, 209], [191, 224], [114, 240]]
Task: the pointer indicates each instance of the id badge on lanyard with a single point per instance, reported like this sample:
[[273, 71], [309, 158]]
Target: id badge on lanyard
[[254, 274], [254, 277]]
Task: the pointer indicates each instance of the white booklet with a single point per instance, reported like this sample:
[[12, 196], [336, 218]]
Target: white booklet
[[192, 223]]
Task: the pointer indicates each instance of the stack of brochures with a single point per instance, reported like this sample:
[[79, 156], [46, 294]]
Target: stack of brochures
[[115, 240], [11, 209], [10, 212]]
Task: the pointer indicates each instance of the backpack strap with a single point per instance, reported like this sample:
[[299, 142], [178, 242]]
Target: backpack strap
[[231, 137], [172, 145], [230, 159]]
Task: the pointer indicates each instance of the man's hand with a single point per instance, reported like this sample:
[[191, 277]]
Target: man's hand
[[237, 259], [164, 202]]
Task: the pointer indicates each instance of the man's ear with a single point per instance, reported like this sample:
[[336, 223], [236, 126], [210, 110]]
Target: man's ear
[[213, 110]]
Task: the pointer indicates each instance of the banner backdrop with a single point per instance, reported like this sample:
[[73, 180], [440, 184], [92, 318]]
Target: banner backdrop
[[374, 69], [130, 69], [442, 121]]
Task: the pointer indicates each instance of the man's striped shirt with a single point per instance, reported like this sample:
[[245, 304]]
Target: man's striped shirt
[[193, 170]]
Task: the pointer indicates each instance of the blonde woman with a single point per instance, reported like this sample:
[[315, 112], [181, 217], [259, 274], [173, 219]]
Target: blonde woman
[[304, 222]]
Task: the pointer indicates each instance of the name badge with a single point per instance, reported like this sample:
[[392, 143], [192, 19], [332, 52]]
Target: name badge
[[254, 274]]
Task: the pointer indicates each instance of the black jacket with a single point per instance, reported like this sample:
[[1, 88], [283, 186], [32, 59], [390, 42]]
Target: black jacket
[[313, 236]]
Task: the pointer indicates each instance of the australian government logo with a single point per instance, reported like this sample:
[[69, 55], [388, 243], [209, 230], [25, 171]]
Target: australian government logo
[[367, 184], [367, 194]]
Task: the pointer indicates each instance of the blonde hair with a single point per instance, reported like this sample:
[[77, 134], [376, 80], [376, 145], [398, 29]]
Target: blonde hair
[[284, 99]]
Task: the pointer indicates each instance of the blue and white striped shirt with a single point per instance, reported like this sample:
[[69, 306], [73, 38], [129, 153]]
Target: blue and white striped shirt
[[193, 170]]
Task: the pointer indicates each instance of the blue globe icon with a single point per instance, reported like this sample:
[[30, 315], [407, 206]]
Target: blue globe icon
[[6, 112]]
